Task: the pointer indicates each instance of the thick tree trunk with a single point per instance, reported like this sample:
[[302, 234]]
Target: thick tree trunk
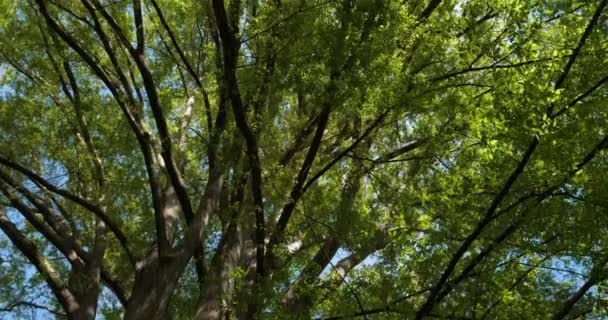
[[88, 302], [154, 285], [219, 286], [210, 304]]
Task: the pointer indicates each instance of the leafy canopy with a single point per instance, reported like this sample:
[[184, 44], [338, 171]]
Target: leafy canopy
[[289, 159]]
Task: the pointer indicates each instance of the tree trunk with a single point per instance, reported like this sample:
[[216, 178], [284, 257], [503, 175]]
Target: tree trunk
[[154, 286], [220, 282]]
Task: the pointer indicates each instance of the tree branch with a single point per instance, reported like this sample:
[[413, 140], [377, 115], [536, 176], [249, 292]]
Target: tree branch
[[569, 304], [139, 26], [157, 112], [19, 304], [581, 42], [433, 4], [580, 97], [298, 189], [120, 236], [428, 305], [29, 249], [230, 47]]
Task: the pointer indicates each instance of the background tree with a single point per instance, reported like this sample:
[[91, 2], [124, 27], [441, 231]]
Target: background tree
[[176, 159]]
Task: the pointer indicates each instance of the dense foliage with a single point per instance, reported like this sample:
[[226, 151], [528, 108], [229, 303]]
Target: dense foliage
[[325, 159]]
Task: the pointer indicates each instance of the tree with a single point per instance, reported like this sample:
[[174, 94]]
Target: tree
[[304, 159]]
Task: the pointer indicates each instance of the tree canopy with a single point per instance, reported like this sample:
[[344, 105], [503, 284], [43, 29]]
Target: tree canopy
[[318, 159]]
